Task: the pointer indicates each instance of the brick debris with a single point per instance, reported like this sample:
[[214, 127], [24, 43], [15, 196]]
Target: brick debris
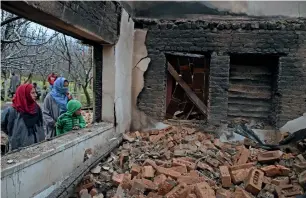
[[179, 162]]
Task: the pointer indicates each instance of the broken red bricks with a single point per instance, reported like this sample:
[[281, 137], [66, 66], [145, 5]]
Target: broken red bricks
[[254, 181], [147, 172], [181, 162], [203, 190], [288, 191], [225, 176], [275, 170], [159, 179], [269, 156], [222, 193], [170, 176], [240, 172], [166, 186], [240, 193], [242, 156], [135, 170]]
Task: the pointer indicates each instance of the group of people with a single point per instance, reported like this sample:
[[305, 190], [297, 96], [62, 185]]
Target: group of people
[[26, 123]]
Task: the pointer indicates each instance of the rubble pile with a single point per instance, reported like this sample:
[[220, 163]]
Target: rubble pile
[[179, 162]]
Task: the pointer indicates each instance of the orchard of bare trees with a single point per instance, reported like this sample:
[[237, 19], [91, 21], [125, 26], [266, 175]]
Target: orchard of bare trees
[[34, 51]]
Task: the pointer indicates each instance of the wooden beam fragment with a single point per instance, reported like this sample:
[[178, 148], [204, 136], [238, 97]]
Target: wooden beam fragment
[[192, 96]]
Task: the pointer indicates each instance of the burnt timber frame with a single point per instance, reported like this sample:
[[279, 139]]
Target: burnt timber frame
[[192, 96]]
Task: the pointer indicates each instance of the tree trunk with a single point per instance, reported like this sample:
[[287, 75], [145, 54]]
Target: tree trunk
[[29, 79], [86, 95]]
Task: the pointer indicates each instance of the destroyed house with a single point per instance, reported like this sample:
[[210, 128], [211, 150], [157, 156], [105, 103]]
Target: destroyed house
[[212, 68], [239, 67]]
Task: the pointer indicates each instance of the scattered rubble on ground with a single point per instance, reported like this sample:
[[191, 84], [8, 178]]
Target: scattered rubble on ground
[[179, 162]]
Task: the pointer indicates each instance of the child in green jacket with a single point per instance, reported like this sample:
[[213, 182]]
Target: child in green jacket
[[72, 119]]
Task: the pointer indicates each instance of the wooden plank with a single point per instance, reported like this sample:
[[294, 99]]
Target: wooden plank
[[192, 96], [186, 54]]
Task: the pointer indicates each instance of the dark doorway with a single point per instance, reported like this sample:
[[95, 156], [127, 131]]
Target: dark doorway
[[194, 70]]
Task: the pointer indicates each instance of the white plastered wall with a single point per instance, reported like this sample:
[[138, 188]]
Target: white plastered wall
[[117, 77]]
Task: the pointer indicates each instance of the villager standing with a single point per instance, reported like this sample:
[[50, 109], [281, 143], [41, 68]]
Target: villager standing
[[15, 82], [72, 119], [55, 104], [38, 91], [23, 121], [44, 92], [51, 79]]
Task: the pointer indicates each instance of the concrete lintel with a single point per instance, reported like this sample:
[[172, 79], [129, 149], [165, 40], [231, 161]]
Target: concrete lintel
[[54, 16]]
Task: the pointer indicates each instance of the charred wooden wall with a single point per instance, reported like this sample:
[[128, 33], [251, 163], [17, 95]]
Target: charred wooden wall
[[223, 37]]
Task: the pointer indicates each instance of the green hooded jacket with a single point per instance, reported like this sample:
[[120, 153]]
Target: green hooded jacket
[[68, 120]]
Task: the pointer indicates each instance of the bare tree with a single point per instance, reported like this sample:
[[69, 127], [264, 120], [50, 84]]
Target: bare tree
[[23, 45], [77, 62], [32, 49]]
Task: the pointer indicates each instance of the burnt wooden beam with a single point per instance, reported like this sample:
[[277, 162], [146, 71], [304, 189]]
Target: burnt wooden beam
[[192, 96], [97, 82], [189, 55]]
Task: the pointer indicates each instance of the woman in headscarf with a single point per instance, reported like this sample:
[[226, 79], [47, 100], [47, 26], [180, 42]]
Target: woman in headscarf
[[23, 122], [55, 104]]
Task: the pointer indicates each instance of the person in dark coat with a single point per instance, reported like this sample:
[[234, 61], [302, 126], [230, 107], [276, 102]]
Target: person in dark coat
[[23, 121], [15, 82], [55, 104]]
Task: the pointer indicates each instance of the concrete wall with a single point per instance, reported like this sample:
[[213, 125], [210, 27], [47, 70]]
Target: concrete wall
[[39, 169], [123, 76], [92, 20], [117, 77], [221, 37]]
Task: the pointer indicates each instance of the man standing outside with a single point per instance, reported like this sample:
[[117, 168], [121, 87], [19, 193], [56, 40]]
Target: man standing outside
[[51, 79], [38, 90], [15, 82]]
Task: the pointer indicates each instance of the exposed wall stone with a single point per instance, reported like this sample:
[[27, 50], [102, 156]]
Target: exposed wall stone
[[218, 87], [140, 120], [223, 36]]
